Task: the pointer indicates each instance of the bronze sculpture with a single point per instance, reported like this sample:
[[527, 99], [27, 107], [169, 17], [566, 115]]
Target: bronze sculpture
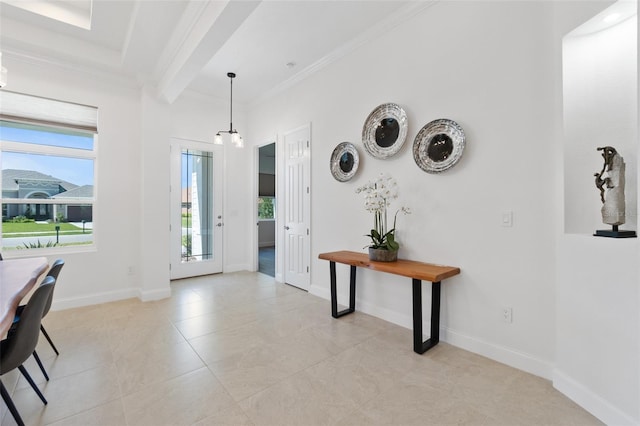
[[610, 182]]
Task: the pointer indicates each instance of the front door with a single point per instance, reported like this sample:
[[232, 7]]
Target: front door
[[196, 208], [297, 247]]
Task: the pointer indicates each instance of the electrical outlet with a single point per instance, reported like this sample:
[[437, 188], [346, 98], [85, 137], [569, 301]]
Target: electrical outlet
[[507, 315], [131, 270]]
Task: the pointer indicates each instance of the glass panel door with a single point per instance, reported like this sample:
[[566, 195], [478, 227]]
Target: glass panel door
[[196, 209]]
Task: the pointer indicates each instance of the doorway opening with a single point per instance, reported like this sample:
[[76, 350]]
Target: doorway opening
[[266, 204]]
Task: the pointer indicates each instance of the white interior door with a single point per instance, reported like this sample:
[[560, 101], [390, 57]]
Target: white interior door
[[196, 208], [297, 221]]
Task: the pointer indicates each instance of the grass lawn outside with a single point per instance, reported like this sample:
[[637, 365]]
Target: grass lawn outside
[[32, 229]]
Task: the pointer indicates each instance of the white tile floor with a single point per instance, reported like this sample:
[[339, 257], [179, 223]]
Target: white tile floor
[[240, 349]]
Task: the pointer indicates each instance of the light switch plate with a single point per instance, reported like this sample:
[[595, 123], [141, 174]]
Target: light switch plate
[[507, 219]]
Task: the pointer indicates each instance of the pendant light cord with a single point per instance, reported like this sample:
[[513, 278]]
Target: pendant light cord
[[231, 104]]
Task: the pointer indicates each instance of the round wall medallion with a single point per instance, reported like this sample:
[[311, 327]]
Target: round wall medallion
[[438, 145], [385, 130], [344, 161]]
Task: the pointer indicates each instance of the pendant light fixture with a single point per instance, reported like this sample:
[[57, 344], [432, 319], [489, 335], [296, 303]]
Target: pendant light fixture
[[236, 139]]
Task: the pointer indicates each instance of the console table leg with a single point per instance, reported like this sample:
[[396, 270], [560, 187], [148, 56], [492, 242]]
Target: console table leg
[[352, 289], [334, 292], [418, 345]]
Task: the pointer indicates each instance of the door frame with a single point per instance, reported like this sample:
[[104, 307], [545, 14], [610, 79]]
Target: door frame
[[175, 164]]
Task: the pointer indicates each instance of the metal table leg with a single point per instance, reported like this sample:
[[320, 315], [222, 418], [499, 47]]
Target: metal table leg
[[334, 292], [418, 345]]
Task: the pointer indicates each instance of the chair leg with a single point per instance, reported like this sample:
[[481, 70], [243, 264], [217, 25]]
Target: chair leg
[[12, 408], [49, 339], [31, 382], [44, 372]]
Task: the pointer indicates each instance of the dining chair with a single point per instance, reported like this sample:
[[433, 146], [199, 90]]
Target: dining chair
[[54, 272], [21, 341]]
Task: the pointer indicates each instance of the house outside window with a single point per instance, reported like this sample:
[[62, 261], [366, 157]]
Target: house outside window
[[47, 156]]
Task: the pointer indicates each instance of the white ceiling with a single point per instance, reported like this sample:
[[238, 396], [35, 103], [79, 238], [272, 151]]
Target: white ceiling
[[191, 44]]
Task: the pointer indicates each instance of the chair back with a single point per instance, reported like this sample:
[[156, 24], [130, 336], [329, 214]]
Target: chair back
[[22, 341], [53, 272]]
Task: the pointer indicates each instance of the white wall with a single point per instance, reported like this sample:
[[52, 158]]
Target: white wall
[[495, 68], [497, 72], [266, 233], [597, 326], [132, 213], [597, 282], [102, 274], [154, 200], [492, 74]]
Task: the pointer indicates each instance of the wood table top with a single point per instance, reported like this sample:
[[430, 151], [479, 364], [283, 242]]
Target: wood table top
[[403, 267], [17, 278]]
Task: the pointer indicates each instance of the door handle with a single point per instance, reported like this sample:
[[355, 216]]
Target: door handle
[[286, 227]]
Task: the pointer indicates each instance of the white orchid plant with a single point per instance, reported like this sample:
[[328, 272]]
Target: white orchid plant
[[378, 195]]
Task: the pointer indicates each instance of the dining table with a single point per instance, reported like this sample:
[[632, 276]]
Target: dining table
[[17, 278]]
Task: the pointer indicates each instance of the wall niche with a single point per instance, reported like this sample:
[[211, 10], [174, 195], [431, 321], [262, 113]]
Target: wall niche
[[600, 108]]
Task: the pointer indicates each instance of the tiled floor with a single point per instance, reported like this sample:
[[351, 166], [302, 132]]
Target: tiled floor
[[239, 349]]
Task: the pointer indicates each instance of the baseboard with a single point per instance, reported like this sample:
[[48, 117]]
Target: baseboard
[[148, 296], [591, 402], [93, 299], [236, 268], [394, 317], [316, 290], [505, 355], [508, 356], [389, 315]]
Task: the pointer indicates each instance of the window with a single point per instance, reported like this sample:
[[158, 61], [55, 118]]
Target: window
[[266, 208], [47, 156]]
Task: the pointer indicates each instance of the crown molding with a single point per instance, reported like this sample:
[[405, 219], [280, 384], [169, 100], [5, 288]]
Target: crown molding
[[403, 14], [105, 73]]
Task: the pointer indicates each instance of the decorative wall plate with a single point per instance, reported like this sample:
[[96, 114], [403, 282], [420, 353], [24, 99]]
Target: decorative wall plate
[[385, 130], [438, 145], [344, 161]]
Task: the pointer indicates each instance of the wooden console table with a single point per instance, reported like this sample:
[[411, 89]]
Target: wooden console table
[[417, 271]]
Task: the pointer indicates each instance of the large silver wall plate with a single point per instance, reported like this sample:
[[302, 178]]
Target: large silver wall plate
[[385, 130], [344, 161], [438, 145]]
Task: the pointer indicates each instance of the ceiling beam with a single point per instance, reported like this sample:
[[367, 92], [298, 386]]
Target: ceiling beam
[[204, 29]]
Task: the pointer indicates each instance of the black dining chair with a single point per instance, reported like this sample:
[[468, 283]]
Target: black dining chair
[[21, 341], [54, 272]]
